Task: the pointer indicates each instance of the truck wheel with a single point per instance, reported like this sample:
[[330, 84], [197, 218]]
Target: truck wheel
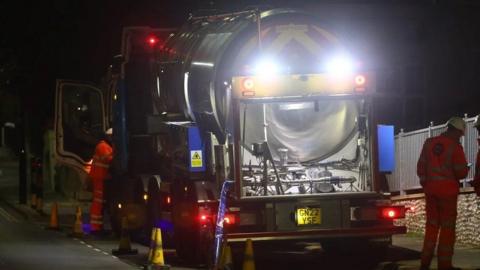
[[114, 215], [206, 246], [196, 247], [184, 245], [153, 208]]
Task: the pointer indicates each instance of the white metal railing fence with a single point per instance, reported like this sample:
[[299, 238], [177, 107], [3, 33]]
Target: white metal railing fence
[[408, 146]]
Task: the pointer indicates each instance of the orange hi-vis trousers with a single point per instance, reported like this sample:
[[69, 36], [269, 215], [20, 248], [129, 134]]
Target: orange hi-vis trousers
[[441, 216], [99, 172], [96, 209]]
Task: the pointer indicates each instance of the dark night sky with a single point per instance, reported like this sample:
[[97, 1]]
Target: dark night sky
[[41, 41], [78, 38]]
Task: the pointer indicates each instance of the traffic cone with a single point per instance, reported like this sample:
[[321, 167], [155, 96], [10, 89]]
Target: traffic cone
[[152, 243], [248, 261], [78, 226], [155, 255], [124, 247], [226, 262], [54, 218]]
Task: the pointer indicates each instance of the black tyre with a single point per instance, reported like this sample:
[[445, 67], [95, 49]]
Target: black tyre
[[196, 247], [115, 220]]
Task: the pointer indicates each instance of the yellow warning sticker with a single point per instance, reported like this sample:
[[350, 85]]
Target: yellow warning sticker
[[196, 159]]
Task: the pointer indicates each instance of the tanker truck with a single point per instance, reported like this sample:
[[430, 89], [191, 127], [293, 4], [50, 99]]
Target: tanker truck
[[266, 99]]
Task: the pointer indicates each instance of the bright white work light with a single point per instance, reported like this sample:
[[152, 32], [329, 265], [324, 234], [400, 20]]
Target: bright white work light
[[266, 67], [340, 65]]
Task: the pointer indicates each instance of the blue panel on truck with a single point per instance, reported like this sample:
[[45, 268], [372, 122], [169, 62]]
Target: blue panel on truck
[[196, 149], [386, 148]]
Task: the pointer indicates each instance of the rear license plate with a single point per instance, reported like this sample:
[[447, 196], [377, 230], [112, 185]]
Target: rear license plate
[[309, 216]]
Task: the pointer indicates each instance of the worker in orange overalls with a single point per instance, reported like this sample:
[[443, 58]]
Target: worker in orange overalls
[[476, 180], [101, 162], [441, 165]]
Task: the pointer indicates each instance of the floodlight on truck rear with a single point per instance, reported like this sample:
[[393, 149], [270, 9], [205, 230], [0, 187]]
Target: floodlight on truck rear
[[294, 85], [266, 68], [340, 65]]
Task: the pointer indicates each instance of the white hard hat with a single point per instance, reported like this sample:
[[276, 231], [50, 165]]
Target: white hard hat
[[476, 123], [109, 131], [457, 122]]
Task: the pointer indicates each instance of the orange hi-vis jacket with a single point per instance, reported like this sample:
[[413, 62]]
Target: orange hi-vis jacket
[[441, 165], [101, 160]]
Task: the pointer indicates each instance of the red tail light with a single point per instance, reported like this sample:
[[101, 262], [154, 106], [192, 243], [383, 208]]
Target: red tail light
[[229, 219], [168, 200], [203, 218], [393, 212]]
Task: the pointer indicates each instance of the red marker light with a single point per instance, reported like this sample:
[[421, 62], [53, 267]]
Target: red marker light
[[152, 40], [390, 213], [360, 80], [203, 218], [248, 84], [169, 200]]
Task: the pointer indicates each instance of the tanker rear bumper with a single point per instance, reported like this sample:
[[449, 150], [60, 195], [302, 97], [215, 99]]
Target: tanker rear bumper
[[371, 232]]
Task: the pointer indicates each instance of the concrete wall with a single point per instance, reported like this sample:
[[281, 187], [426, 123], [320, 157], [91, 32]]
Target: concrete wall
[[468, 220]]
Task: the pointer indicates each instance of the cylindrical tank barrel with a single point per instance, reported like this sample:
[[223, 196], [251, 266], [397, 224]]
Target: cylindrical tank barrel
[[199, 61]]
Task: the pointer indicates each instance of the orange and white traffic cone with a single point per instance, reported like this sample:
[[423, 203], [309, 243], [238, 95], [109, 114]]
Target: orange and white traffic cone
[[54, 218], [124, 247], [78, 225], [156, 260], [248, 260]]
